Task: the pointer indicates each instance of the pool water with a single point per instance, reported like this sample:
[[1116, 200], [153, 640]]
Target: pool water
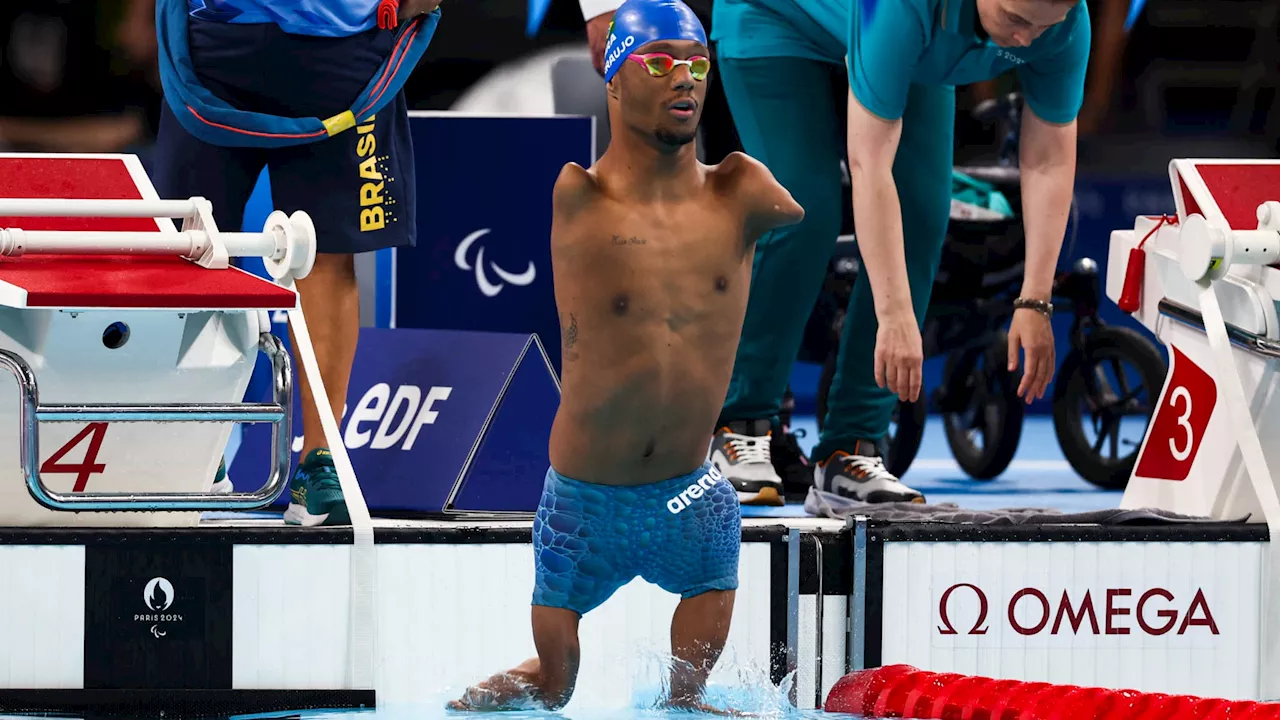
[[640, 711], [744, 688]]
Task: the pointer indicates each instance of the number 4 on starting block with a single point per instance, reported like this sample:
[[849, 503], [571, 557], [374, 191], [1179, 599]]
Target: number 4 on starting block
[[88, 466]]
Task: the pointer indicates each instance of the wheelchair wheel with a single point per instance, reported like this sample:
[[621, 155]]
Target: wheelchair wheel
[[1107, 389], [824, 385], [906, 428], [902, 443], [981, 413]]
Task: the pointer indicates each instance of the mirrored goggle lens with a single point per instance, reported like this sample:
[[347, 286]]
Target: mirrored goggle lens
[[663, 64]]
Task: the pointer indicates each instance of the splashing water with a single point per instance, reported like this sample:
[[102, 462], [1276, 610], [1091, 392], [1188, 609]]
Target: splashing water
[[743, 687]]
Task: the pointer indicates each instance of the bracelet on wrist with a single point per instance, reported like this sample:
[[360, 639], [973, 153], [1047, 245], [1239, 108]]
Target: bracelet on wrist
[[1041, 306]]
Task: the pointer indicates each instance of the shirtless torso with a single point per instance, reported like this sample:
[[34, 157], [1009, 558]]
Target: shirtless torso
[[651, 293], [651, 255]]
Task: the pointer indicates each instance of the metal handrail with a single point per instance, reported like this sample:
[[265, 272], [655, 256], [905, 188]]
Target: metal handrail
[[279, 414], [1251, 342], [818, 621]]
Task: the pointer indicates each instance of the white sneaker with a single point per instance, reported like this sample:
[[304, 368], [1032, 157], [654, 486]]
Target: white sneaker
[[740, 451], [861, 476]]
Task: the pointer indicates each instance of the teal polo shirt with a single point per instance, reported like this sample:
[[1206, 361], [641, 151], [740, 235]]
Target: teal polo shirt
[[893, 43], [890, 44]]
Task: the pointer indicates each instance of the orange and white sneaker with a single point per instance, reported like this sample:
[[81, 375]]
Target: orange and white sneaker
[[740, 451], [861, 476]]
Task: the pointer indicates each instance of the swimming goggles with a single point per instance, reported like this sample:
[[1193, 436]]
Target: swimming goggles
[[659, 64]]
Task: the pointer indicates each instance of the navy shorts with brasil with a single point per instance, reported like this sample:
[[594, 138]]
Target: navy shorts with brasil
[[357, 186]]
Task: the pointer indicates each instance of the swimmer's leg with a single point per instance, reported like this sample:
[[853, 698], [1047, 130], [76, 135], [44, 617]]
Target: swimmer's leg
[[545, 681], [699, 629], [580, 561], [694, 554]]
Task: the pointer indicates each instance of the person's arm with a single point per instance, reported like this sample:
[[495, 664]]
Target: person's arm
[[410, 9], [886, 39], [1047, 159], [137, 31], [873, 144], [769, 205], [1104, 64], [598, 14], [1054, 90], [595, 8]]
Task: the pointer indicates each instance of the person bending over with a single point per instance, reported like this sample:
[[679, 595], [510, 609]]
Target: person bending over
[[901, 60], [651, 257]]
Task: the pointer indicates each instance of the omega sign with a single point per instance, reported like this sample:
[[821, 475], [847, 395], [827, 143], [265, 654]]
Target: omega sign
[[1115, 611]]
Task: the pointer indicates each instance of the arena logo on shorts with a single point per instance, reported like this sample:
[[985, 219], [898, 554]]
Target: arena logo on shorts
[[617, 53], [373, 215], [694, 491]]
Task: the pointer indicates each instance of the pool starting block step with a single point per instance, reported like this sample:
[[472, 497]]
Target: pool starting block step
[[106, 301], [85, 281], [1224, 237], [439, 423]]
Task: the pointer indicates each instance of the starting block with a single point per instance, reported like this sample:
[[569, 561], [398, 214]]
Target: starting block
[[132, 342], [1206, 283]]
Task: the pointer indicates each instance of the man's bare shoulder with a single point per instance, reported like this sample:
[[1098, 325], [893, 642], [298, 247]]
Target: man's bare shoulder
[[575, 188], [737, 168], [751, 181]]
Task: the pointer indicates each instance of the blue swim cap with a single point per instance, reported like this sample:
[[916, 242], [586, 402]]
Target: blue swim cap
[[638, 22]]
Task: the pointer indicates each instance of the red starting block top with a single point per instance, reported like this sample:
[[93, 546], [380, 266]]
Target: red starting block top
[[1226, 190], [112, 281]]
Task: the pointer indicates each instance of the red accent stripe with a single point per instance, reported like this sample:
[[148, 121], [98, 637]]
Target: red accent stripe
[[385, 77], [254, 133], [379, 89], [388, 72]]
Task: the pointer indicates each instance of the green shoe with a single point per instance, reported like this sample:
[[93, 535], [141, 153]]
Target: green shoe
[[221, 483], [315, 495]]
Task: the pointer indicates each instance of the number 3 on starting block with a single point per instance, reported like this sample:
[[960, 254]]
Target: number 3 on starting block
[[1179, 423]]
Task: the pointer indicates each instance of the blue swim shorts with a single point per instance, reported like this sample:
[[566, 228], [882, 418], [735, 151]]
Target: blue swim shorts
[[683, 535]]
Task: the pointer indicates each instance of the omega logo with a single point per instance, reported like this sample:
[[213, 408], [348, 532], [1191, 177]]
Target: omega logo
[[1030, 612]]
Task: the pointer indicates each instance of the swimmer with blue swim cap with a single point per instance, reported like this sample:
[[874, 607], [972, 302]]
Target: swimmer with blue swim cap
[[648, 42], [651, 255]]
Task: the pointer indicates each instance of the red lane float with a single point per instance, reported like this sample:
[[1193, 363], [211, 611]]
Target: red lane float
[[903, 691]]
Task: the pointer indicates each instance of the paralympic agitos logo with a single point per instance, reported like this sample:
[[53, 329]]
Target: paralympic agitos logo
[[1029, 611]]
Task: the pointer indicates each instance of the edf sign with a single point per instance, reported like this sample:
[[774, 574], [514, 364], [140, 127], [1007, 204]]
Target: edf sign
[[378, 404], [436, 421]]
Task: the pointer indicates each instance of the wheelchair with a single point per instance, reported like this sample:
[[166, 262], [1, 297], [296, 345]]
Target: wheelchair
[[972, 303]]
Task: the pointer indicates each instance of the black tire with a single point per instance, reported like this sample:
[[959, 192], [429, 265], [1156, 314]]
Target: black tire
[[1080, 396], [898, 447], [982, 398], [824, 385]]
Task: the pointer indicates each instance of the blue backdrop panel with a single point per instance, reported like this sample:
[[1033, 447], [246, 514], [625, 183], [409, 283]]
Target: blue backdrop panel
[[483, 255]]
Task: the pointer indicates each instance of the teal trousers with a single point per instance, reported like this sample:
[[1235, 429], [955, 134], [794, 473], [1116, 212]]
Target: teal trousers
[[789, 117]]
